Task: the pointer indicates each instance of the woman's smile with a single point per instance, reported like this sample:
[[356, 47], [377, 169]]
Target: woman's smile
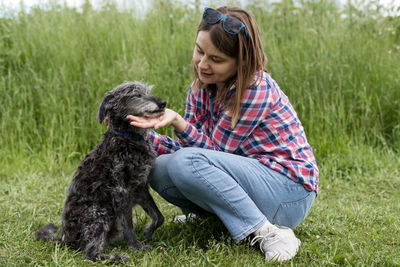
[[213, 66], [205, 74]]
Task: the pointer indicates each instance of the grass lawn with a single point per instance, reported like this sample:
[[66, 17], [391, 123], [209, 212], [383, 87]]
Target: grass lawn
[[354, 221]]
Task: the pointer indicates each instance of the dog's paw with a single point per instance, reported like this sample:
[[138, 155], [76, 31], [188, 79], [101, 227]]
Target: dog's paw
[[117, 259], [113, 259], [136, 246], [140, 247], [146, 247]]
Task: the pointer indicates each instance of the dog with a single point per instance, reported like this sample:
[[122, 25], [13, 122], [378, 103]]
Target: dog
[[111, 180]]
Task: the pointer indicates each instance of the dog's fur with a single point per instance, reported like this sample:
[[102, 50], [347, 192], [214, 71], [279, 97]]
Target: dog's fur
[[111, 179]]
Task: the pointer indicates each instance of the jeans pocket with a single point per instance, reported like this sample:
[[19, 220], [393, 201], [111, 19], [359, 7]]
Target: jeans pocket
[[291, 214]]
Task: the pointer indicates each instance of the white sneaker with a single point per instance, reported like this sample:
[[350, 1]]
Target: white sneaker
[[280, 244], [183, 218]]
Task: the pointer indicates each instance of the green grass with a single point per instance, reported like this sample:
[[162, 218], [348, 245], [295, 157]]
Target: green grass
[[339, 67], [355, 221]]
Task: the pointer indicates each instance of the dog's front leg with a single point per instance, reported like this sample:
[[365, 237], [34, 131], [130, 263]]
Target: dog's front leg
[[150, 207], [95, 236], [128, 230]]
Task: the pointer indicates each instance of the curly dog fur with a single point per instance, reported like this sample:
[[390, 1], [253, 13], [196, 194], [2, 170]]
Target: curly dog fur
[[111, 179]]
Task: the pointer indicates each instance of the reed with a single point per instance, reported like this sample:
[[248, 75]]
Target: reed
[[339, 67]]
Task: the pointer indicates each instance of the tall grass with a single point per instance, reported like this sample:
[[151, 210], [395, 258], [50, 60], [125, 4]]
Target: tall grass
[[57, 64], [339, 66]]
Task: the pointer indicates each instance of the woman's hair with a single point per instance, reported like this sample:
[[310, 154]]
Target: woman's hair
[[248, 52]]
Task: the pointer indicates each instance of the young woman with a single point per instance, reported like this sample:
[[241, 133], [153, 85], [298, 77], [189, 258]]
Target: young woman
[[241, 151]]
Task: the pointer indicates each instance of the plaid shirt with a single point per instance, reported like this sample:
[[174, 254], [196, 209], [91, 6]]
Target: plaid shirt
[[268, 129]]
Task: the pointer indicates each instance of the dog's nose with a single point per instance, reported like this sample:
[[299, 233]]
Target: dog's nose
[[162, 104]]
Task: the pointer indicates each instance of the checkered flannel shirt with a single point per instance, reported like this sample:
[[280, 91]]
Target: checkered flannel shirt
[[268, 129]]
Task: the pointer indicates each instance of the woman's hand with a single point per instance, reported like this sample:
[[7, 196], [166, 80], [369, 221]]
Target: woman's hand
[[169, 117]]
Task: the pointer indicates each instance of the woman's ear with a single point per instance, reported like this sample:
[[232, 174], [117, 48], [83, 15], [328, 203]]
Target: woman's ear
[[104, 108]]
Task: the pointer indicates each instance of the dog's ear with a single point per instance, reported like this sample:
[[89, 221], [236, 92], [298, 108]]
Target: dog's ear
[[104, 107]]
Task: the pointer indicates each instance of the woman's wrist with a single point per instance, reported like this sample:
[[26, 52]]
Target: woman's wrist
[[179, 123]]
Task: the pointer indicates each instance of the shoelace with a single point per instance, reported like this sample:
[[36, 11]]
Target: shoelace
[[184, 219], [271, 238]]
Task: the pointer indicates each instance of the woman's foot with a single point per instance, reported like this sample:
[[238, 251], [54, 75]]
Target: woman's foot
[[191, 217], [278, 243]]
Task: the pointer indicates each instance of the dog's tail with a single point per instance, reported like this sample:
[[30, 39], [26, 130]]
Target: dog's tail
[[48, 233]]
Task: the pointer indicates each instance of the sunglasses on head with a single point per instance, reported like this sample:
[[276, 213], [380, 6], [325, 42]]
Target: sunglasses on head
[[229, 24]]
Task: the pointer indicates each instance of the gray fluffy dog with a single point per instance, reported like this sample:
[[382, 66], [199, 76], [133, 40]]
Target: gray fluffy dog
[[111, 179]]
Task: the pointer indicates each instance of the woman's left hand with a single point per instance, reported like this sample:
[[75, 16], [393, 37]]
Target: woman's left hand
[[169, 117]]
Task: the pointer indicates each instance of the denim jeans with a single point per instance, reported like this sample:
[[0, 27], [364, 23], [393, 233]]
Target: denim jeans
[[241, 191]]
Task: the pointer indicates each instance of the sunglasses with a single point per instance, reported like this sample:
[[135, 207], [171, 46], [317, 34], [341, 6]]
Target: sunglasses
[[229, 24]]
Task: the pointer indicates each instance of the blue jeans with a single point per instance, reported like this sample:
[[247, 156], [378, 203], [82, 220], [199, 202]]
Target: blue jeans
[[241, 191]]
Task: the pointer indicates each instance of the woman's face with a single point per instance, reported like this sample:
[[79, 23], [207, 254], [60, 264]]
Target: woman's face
[[212, 66]]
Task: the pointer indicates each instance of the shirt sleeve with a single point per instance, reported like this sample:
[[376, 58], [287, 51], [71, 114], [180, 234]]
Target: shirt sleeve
[[163, 144]]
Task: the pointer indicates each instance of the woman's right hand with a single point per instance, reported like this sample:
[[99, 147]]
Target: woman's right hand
[[169, 117]]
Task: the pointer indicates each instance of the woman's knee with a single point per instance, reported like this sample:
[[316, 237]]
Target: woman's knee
[[181, 166], [291, 214], [159, 174], [180, 160]]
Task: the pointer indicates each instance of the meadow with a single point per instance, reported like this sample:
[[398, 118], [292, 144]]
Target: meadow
[[339, 66]]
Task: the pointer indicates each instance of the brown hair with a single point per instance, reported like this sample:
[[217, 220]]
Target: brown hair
[[248, 52]]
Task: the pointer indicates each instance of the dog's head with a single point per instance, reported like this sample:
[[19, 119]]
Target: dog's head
[[130, 98]]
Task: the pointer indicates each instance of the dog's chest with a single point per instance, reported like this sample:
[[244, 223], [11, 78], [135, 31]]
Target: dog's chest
[[136, 160]]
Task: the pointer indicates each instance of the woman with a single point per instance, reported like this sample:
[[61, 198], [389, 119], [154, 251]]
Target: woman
[[241, 151]]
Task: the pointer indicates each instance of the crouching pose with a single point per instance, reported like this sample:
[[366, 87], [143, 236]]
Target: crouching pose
[[241, 151]]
